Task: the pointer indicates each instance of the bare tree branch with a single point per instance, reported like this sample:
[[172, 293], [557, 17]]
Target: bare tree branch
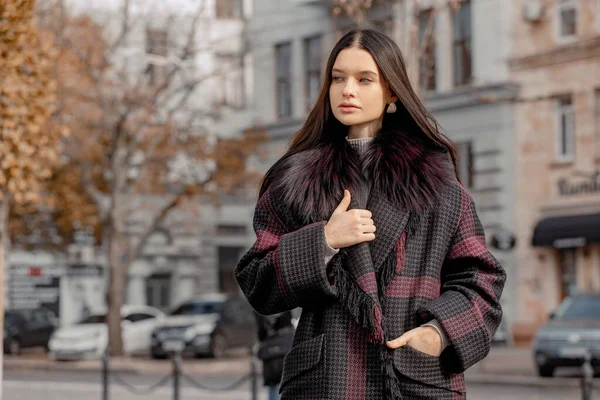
[[101, 200], [125, 27]]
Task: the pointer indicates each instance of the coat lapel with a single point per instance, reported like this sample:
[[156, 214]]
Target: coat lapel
[[390, 223], [359, 262]]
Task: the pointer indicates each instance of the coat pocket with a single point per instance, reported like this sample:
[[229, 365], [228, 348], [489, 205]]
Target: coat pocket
[[426, 369], [302, 358]]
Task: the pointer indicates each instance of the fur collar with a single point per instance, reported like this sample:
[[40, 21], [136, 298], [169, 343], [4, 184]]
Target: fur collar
[[406, 169]]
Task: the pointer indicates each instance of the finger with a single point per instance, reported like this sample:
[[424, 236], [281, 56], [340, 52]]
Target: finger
[[367, 237], [401, 341], [364, 213], [367, 221], [344, 204], [369, 228]]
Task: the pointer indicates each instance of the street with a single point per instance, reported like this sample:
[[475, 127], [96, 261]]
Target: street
[[56, 385]]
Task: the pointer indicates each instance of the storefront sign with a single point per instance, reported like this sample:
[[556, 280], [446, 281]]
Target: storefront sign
[[567, 243], [32, 287], [582, 183]]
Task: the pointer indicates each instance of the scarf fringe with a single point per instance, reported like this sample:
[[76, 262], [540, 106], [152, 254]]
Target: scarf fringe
[[362, 307], [391, 382]]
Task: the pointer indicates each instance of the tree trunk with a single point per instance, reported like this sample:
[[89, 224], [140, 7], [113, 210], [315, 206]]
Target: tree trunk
[[3, 257], [117, 243]]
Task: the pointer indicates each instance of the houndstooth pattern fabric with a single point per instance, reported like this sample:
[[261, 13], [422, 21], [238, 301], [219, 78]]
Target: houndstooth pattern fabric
[[443, 271]]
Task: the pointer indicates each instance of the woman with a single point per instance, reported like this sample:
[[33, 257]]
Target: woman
[[275, 334], [365, 226]]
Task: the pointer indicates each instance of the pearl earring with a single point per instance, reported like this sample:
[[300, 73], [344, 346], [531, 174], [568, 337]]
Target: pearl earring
[[392, 108]]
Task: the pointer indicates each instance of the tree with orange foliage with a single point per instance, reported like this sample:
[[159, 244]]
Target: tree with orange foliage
[[28, 139], [140, 130]]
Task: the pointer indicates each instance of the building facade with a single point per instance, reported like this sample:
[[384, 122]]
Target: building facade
[[195, 249], [556, 62], [464, 82]]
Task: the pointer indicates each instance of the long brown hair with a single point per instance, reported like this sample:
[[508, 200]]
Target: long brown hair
[[411, 116]]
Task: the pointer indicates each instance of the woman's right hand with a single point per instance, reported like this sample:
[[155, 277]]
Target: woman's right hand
[[347, 228]]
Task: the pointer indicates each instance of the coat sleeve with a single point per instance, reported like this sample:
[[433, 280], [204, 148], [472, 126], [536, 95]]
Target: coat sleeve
[[283, 270], [472, 281]]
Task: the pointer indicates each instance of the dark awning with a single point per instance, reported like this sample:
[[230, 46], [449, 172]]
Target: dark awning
[[573, 231]]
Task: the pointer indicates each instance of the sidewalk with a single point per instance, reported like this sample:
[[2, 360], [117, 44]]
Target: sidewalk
[[504, 365], [234, 366]]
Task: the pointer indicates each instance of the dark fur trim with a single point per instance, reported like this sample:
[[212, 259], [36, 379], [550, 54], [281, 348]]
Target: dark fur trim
[[406, 169]]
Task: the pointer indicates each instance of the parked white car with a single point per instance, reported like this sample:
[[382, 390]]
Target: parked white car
[[89, 338]]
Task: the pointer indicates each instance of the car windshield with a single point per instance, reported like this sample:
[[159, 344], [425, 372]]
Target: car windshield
[[94, 319], [584, 307], [11, 318], [199, 308]]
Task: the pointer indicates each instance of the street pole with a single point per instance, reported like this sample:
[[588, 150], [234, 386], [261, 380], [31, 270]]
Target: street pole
[[105, 371], [176, 373], [253, 373], [586, 379]]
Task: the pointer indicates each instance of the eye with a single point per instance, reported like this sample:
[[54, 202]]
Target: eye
[[337, 79], [366, 80]]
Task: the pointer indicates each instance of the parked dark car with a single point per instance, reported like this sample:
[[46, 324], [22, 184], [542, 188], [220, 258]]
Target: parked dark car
[[572, 330], [27, 328], [206, 325]]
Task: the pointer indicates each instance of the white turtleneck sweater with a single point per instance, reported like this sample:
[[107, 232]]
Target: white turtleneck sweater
[[361, 146]]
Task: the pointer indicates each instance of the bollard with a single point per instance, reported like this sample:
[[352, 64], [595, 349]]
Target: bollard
[[587, 377], [105, 371], [253, 373], [176, 373]]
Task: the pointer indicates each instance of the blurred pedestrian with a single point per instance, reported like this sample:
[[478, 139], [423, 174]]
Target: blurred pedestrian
[[364, 224], [275, 335]]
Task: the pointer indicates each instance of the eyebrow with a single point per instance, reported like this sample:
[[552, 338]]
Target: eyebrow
[[360, 72]]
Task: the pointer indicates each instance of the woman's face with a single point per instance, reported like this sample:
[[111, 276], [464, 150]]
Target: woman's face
[[357, 93]]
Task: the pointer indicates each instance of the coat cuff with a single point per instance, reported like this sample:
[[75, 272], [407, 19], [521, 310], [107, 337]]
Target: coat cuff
[[436, 325], [329, 251], [301, 255]]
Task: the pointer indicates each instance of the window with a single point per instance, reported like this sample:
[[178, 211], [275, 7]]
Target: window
[[156, 45], [230, 89], [137, 317], [229, 9], [228, 260], [231, 230], [199, 308], [465, 163], [566, 129], [312, 63], [462, 44], [566, 18], [427, 50], [283, 61], [158, 290], [94, 319], [568, 272]]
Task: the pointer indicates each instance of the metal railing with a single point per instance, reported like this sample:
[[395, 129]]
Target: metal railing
[[176, 377]]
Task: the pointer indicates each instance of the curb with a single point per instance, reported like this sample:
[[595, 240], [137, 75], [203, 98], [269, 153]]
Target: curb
[[96, 367], [519, 380], [46, 366]]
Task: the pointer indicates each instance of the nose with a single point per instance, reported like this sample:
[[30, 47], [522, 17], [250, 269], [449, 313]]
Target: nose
[[349, 89]]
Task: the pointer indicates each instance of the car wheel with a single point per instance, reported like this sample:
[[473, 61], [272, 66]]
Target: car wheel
[[159, 356], [13, 347], [218, 346], [545, 371]]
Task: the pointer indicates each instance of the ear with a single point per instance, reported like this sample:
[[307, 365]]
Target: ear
[[391, 97]]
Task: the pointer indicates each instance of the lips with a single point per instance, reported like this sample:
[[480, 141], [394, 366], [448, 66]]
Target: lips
[[348, 107]]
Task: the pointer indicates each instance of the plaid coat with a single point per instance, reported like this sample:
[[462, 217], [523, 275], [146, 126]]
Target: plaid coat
[[428, 261]]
